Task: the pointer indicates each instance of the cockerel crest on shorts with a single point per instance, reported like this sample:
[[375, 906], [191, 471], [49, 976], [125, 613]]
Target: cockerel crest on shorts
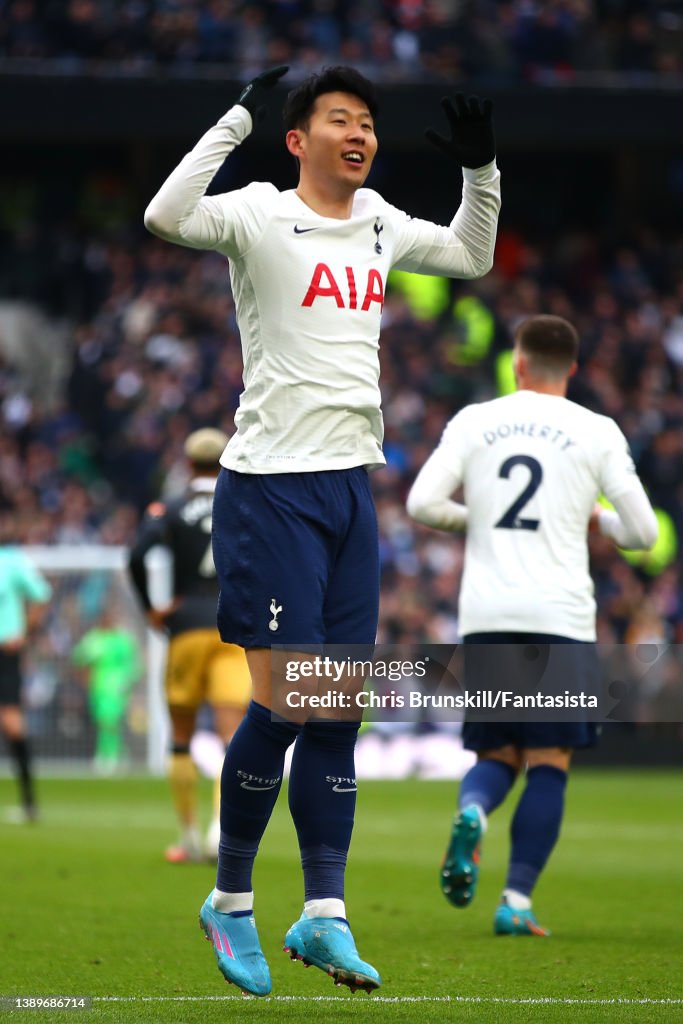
[[275, 610]]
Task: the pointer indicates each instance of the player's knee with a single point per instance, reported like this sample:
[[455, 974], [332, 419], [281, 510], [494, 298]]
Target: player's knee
[[227, 719], [553, 757], [508, 755], [12, 722]]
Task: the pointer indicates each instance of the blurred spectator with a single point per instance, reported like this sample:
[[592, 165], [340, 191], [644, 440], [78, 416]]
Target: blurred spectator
[[543, 42]]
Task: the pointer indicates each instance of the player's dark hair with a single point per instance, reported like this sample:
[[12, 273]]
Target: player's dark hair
[[550, 344], [300, 101]]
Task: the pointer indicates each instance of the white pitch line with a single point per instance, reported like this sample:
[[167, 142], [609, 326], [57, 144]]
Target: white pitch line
[[505, 1000]]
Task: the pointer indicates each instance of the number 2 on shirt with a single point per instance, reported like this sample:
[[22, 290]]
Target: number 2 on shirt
[[511, 519]]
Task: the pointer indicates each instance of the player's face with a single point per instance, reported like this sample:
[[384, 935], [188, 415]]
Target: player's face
[[340, 142]]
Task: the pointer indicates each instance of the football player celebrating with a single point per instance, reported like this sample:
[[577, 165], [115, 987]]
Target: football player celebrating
[[532, 465], [295, 532]]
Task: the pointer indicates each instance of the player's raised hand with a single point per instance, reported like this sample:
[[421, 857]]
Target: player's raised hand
[[255, 95], [472, 142]]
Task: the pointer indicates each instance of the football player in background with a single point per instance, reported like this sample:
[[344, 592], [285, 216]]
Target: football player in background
[[532, 465], [24, 593], [295, 531], [109, 655], [200, 667]]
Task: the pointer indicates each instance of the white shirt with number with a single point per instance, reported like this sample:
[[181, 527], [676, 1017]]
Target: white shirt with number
[[532, 467], [309, 292]]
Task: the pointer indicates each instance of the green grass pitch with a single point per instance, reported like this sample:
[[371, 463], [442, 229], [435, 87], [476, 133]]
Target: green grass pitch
[[89, 907]]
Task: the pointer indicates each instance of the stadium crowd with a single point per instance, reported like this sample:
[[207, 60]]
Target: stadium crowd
[[155, 354], [493, 41]]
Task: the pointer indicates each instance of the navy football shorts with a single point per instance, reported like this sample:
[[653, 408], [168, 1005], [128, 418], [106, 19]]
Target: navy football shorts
[[10, 678], [493, 660], [297, 558]]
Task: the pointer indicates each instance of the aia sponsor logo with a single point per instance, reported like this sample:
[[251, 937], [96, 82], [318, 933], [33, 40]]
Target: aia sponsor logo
[[325, 285]]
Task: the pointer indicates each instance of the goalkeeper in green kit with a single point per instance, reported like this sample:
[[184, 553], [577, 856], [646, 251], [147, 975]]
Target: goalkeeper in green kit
[[111, 654]]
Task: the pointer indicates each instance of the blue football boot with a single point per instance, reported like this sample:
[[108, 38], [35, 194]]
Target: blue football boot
[[460, 868], [516, 922], [327, 943], [237, 948]]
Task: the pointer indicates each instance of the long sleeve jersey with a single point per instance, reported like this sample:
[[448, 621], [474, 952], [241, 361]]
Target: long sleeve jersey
[[309, 292], [532, 467]]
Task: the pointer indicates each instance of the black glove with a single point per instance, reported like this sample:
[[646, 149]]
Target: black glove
[[472, 142], [254, 96]]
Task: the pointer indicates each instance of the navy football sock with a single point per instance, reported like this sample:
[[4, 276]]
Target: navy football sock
[[535, 826], [487, 783], [322, 799], [20, 751], [250, 783]]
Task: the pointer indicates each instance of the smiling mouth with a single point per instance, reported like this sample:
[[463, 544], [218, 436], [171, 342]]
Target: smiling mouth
[[354, 157]]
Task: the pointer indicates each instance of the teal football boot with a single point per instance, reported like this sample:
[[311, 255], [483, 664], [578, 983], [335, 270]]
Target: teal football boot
[[327, 943], [460, 868], [516, 922], [237, 948]]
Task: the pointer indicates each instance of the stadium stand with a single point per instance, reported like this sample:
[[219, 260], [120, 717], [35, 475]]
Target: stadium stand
[[494, 41]]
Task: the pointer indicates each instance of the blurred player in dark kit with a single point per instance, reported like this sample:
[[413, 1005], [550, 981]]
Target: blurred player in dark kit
[[200, 667], [24, 593]]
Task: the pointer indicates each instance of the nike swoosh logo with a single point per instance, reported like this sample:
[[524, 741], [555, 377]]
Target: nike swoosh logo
[[302, 231], [344, 789], [245, 785]]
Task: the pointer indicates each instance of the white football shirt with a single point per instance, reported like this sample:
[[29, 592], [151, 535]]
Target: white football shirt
[[308, 293], [532, 467]]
